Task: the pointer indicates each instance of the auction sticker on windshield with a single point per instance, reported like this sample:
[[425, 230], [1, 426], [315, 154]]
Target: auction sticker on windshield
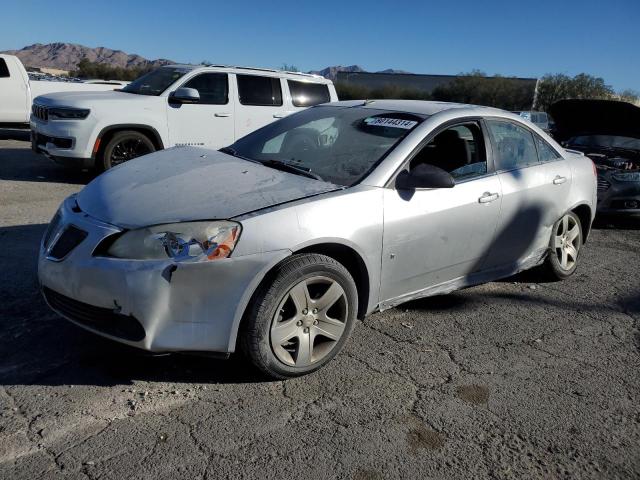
[[390, 122]]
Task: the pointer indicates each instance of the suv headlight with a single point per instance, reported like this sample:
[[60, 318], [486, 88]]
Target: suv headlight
[[188, 241], [627, 176], [68, 113]]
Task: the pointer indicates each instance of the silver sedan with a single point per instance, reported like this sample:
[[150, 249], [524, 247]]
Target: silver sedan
[[276, 244]]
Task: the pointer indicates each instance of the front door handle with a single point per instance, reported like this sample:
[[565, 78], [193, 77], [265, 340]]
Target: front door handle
[[222, 114], [559, 180], [488, 197], [282, 114]]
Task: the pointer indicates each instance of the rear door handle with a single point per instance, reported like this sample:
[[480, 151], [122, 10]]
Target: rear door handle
[[222, 114], [559, 180], [488, 197], [281, 115]]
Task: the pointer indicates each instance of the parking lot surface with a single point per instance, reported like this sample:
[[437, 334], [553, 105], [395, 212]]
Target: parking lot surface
[[514, 379]]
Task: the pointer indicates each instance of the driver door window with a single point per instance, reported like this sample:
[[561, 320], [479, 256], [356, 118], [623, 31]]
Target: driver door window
[[458, 150]]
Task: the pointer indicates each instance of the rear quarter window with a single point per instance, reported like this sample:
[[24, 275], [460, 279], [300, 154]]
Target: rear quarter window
[[306, 94], [4, 70], [259, 91]]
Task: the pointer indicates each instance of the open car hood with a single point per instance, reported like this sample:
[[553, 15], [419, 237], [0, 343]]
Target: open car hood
[[595, 117], [187, 184]]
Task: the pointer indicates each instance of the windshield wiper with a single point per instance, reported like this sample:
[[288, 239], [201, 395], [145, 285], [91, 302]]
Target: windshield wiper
[[231, 151], [292, 168]]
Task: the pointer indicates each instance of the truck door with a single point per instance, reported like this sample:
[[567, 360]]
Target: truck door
[[15, 104]]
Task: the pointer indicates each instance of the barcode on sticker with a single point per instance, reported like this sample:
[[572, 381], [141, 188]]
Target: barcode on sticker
[[390, 122]]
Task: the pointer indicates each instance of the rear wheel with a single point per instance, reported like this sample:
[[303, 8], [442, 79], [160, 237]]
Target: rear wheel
[[123, 147], [302, 318], [564, 247]]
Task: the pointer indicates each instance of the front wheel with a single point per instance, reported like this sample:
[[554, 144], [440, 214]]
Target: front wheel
[[123, 147], [300, 320], [564, 247]]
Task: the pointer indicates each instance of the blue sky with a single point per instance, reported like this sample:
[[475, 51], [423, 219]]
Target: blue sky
[[447, 37]]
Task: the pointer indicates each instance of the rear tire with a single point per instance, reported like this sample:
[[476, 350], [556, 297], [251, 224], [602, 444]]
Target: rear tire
[[564, 247], [124, 146], [301, 318]]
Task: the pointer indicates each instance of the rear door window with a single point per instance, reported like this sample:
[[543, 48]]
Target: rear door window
[[212, 87], [259, 91], [513, 145], [4, 70], [546, 153], [307, 94]]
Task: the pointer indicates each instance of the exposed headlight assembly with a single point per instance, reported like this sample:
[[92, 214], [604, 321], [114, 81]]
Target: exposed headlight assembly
[[188, 242], [68, 113], [627, 176]]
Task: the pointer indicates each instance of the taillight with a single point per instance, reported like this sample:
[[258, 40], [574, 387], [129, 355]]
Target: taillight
[[595, 169]]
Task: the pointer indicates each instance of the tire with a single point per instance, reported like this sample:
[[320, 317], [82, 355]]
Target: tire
[[301, 318], [124, 146], [564, 247]]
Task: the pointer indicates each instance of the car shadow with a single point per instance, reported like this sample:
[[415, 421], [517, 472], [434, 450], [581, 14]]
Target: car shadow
[[619, 222], [21, 164], [40, 347], [18, 134]]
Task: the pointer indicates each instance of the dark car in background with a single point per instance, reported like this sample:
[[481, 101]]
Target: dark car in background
[[609, 133]]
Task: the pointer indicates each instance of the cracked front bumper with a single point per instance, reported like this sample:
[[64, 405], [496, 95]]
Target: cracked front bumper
[[180, 306]]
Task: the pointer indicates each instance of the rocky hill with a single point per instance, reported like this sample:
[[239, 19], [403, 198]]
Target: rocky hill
[[65, 56]]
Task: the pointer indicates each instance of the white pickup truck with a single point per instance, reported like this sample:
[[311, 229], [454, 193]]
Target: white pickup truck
[[174, 105], [17, 91]]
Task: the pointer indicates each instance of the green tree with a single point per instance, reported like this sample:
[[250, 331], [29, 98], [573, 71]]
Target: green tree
[[88, 69], [552, 88]]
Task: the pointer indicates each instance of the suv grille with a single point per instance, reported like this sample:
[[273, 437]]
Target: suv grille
[[103, 320], [70, 239], [40, 112]]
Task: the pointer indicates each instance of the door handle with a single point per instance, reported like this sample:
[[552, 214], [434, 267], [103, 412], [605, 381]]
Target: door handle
[[559, 180], [280, 115], [222, 114], [488, 197]]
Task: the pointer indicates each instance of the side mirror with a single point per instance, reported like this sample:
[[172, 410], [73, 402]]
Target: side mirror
[[424, 176], [185, 95]]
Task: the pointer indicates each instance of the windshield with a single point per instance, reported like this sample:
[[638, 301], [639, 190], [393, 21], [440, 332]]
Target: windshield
[[337, 144], [156, 81], [606, 141]]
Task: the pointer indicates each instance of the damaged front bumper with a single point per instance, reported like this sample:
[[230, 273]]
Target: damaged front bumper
[[160, 306]]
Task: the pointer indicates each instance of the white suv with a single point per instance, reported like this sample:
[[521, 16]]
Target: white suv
[[175, 105]]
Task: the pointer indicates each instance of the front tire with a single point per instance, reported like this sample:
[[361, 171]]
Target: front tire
[[123, 147], [564, 247], [302, 318]]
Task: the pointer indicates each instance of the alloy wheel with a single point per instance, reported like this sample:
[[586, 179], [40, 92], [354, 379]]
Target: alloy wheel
[[566, 242], [309, 322], [128, 149]]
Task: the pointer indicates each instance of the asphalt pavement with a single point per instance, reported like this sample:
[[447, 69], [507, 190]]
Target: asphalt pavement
[[513, 379]]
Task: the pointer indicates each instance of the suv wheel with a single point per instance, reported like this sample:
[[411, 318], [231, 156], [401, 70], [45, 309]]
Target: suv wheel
[[124, 146]]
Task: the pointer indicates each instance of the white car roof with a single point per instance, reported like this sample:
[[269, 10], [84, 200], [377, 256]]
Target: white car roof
[[255, 70]]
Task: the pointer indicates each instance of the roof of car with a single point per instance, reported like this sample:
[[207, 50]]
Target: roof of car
[[421, 107], [310, 76]]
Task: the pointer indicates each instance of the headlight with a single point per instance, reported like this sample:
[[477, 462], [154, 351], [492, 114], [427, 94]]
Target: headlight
[[188, 241], [627, 176], [66, 113]]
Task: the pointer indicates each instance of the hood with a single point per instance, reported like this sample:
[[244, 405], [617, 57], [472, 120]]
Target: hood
[[89, 99], [188, 184], [595, 117]]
